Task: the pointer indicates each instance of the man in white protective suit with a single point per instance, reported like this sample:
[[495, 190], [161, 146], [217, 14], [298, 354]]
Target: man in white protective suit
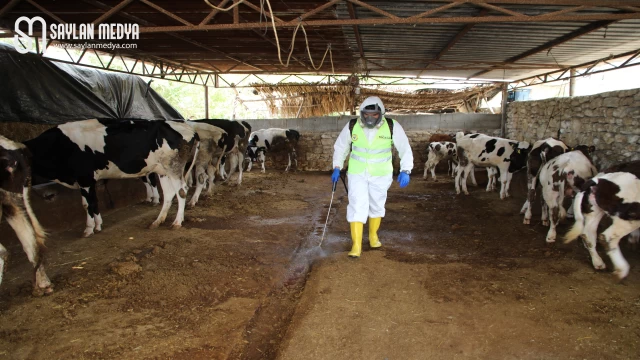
[[369, 138]]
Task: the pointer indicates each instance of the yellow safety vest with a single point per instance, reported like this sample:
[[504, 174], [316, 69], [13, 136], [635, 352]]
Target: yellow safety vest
[[374, 157]]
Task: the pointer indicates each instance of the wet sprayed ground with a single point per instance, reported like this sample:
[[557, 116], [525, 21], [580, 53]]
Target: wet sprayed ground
[[458, 277]]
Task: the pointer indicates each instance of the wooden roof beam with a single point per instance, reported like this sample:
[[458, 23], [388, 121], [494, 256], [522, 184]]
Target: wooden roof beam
[[356, 31]]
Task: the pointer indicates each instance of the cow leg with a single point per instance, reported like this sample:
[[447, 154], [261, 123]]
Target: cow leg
[[531, 195], [153, 180], [249, 165], [463, 182], [4, 256], [145, 181], [432, 166], [612, 236], [201, 178], [545, 214], [551, 199], [634, 238], [240, 160], [90, 204], [295, 158], [472, 174], [289, 163], [590, 236], [570, 213], [31, 246], [211, 178], [233, 163], [168, 192], [181, 192], [262, 159]]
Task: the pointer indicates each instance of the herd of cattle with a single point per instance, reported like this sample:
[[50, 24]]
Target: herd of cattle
[[560, 171], [81, 153]]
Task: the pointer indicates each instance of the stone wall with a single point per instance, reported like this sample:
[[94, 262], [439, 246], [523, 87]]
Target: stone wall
[[610, 121]]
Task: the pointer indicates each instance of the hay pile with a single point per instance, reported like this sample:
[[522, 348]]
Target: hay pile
[[302, 101]]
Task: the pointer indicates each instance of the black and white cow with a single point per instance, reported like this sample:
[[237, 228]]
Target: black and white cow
[[562, 176], [15, 187], [438, 151], [482, 150], [273, 139], [541, 152], [239, 131], [212, 144], [78, 154], [617, 195]]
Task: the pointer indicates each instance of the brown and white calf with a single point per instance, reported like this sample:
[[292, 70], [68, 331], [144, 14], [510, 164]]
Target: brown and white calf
[[541, 152], [438, 151], [562, 176], [617, 195], [15, 186], [482, 150]]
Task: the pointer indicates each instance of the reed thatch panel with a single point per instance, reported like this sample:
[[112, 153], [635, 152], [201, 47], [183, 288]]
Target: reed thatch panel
[[302, 101]]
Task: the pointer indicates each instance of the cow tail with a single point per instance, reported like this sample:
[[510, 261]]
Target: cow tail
[[195, 150], [578, 227], [224, 148]]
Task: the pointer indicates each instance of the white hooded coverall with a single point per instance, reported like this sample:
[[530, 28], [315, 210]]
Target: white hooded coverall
[[368, 194]]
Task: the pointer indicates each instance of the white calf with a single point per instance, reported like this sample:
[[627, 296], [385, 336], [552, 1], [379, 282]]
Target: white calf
[[439, 151]]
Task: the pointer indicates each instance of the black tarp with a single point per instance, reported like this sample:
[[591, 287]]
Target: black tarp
[[37, 90]]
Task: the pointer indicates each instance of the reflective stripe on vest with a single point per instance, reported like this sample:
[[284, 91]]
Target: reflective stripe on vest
[[374, 157]]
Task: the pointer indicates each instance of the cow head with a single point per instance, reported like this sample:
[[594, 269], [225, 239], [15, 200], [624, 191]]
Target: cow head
[[585, 149], [292, 135], [518, 158], [14, 169]]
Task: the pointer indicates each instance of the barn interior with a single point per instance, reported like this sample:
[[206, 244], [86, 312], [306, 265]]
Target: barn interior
[[457, 277]]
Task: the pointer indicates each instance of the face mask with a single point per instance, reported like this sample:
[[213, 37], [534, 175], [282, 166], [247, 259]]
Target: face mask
[[370, 121]]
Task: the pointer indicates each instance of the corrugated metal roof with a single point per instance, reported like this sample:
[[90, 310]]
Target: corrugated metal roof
[[389, 49]]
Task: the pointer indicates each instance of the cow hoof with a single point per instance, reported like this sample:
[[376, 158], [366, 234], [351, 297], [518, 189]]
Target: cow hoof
[[175, 226], [38, 292], [466, 193], [154, 225], [191, 206], [526, 222], [600, 266], [545, 222], [621, 274], [87, 233], [550, 240]]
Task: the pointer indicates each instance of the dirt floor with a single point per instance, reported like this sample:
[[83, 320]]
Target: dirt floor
[[458, 277]]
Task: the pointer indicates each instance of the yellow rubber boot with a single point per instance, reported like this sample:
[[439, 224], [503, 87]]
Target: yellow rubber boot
[[356, 237], [374, 225]]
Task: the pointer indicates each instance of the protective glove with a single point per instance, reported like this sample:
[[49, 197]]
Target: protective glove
[[403, 179], [336, 175]]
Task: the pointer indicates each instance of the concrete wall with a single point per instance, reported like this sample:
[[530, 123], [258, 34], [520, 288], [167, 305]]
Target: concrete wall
[[315, 150], [429, 123], [610, 121]]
